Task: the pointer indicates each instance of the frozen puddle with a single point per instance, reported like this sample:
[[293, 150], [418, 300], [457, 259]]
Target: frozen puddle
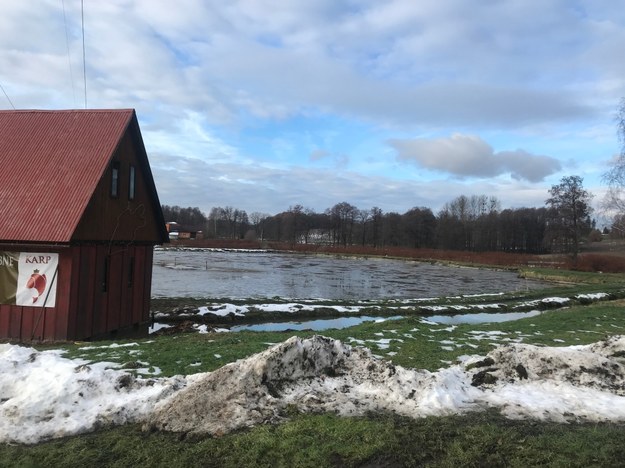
[[316, 325], [346, 322], [481, 317], [44, 395]]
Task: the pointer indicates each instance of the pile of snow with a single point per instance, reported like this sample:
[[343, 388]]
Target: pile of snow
[[44, 395], [598, 366], [321, 374], [316, 374]]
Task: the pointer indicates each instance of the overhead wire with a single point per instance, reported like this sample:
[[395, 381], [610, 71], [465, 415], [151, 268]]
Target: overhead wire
[[69, 60], [7, 96], [82, 12], [84, 62]]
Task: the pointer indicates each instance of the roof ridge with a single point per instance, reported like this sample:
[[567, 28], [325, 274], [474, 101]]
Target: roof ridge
[[59, 111]]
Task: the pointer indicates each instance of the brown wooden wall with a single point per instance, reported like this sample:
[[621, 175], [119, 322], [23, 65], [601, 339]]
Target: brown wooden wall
[[108, 218], [83, 309], [124, 304]]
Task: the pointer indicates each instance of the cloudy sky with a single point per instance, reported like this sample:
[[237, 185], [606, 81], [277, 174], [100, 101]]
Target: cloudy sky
[[265, 104]]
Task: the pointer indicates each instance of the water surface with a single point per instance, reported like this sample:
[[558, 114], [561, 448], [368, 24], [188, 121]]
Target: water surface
[[481, 317], [345, 322], [316, 325], [242, 275]]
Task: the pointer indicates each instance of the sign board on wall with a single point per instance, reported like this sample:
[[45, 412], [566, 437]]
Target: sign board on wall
[[28, 278]]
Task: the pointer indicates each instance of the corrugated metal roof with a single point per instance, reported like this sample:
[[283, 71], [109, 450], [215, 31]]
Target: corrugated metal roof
[[50, 165]]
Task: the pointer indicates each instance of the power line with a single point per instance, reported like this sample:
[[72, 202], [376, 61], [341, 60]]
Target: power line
[[69, 60], [84, 62], [7, 96]]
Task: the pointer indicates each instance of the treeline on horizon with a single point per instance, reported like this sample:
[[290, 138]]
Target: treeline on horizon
[[474, 223]]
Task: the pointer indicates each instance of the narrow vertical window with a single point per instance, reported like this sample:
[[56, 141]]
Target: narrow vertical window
[[115, 179], [131, 185]]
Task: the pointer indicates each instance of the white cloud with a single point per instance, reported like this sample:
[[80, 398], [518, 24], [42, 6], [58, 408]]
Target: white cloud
[[220, 59], [470, 156]]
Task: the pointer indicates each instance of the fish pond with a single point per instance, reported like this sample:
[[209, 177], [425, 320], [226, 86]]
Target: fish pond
[[267, 274]]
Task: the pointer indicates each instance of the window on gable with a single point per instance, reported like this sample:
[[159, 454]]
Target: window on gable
[[115, 179], [131, 185]]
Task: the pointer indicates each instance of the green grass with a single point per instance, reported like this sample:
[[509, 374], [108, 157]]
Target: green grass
[[411, 342], [479, 439], [571, 276]]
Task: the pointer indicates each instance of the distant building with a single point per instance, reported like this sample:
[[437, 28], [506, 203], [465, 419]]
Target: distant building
[[79, 216], [177, 231], [316, 236]]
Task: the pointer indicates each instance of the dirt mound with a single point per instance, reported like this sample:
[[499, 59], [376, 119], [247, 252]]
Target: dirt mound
[[324, 375]]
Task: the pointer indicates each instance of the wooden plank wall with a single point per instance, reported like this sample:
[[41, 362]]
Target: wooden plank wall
[[59, 327], [141, 265], [83, 309], [115, 287], [123, 303], [147, 284]]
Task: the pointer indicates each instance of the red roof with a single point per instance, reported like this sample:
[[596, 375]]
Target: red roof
[[50, 164]]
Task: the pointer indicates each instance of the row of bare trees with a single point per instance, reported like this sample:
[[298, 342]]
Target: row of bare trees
[[475, 223]]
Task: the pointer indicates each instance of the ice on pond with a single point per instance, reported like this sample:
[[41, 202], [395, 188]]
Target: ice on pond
[[266, 274]]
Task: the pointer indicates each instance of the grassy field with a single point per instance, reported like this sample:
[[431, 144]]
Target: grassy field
[[478, 439], [380, 440]]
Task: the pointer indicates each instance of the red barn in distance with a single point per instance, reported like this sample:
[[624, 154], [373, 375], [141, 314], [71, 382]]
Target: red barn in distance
[[79, 217]]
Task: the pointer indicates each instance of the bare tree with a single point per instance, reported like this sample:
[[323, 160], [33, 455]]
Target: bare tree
[[190, 217], [241, 224], [363, 217], [228, 222], [391, 229], [613, 203], [228, 215], [376, 225], [419, 227], [214, 220], [570, 205], [291, 223], [343, 217], [258, 222]]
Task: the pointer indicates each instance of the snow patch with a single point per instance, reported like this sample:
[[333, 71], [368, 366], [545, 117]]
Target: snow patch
[[44, 395]]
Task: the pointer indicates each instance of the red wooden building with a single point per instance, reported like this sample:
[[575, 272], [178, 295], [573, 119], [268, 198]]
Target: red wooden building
[[79, 216]]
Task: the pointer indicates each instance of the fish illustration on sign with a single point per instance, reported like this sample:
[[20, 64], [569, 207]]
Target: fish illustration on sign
[[38, 282]]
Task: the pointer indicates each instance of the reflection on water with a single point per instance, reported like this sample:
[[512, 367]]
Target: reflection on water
[[481, 318], [316, 325], [241, 275], [345, 322]]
